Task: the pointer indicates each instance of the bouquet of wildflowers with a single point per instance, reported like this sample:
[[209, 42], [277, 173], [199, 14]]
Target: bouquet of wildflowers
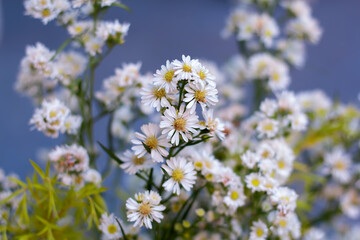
[[187, 157]]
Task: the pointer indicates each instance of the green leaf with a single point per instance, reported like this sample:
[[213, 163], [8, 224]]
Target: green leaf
[[122, 230], [38, 169], [47, 170], [123, 6], [111, 154], [14, 194], [18, 182], [61, 48]]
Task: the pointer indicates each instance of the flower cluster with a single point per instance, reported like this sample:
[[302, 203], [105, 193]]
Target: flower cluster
[[40, 74], [254, 175], [280, 116], [72, 165], [122, 87], [266, 47], [54, 117]]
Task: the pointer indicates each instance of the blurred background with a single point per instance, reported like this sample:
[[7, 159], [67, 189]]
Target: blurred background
[[161, 30]]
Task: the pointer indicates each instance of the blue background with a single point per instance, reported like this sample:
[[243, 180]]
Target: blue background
[[160, 30]]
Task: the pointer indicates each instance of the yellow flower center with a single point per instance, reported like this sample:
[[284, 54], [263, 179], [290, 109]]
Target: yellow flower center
[[120, 89], [112, 229], [159, 93], [234, 195], [259, 232], [268, 127], [138, 161], [281, 164], [53, 114], [255, 182], [186, 68], [179, 124], [202, 75], [198, 165], [151, 142], [177, 175], [78, 29], [200, 96], [265, 154], [144, 209], [169, 76], [276, 77], [268, 33], [339, 165], [43, 2], [282, 223], [46, 12]]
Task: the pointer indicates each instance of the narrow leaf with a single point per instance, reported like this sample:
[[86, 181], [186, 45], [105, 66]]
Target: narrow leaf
[[38, 169]]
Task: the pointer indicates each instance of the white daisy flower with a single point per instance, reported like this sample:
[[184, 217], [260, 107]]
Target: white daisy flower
[[214, 125], [259, 231], [285, 198], [265, 151], [92, 176], [268, 107], [105, 3], [70, 159], [79, 27], [267, 29], [152, 141], [145, 209], [155, 97], [203, 75], [249, 159], [109, 227], [176, 123], [94, 45], [268, 128], [184, 69], [206, 95], [133, 163], [165, 77], [235, 197], [255, 181], [298, 121], [180, 172], [339, 164]]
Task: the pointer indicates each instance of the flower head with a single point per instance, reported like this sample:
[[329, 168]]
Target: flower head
[[145, 209], [180, 172]]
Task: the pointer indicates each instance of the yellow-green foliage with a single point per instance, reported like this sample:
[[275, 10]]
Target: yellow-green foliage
[[48, 209]]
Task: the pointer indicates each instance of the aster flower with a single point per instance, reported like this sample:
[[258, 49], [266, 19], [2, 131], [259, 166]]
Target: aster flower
[[109, 227], [180, 172], [71, 159], [151, 140], [259, 231], [165, 77], [235, 197], [255, 181], [203, 75], [285, 198], [249, 159], [339, 164], [133, 163], [206, 95], [155, 97], [144, 209], [184, 69], [51, 118], [176, 123], [268, 128], [92, 176]]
